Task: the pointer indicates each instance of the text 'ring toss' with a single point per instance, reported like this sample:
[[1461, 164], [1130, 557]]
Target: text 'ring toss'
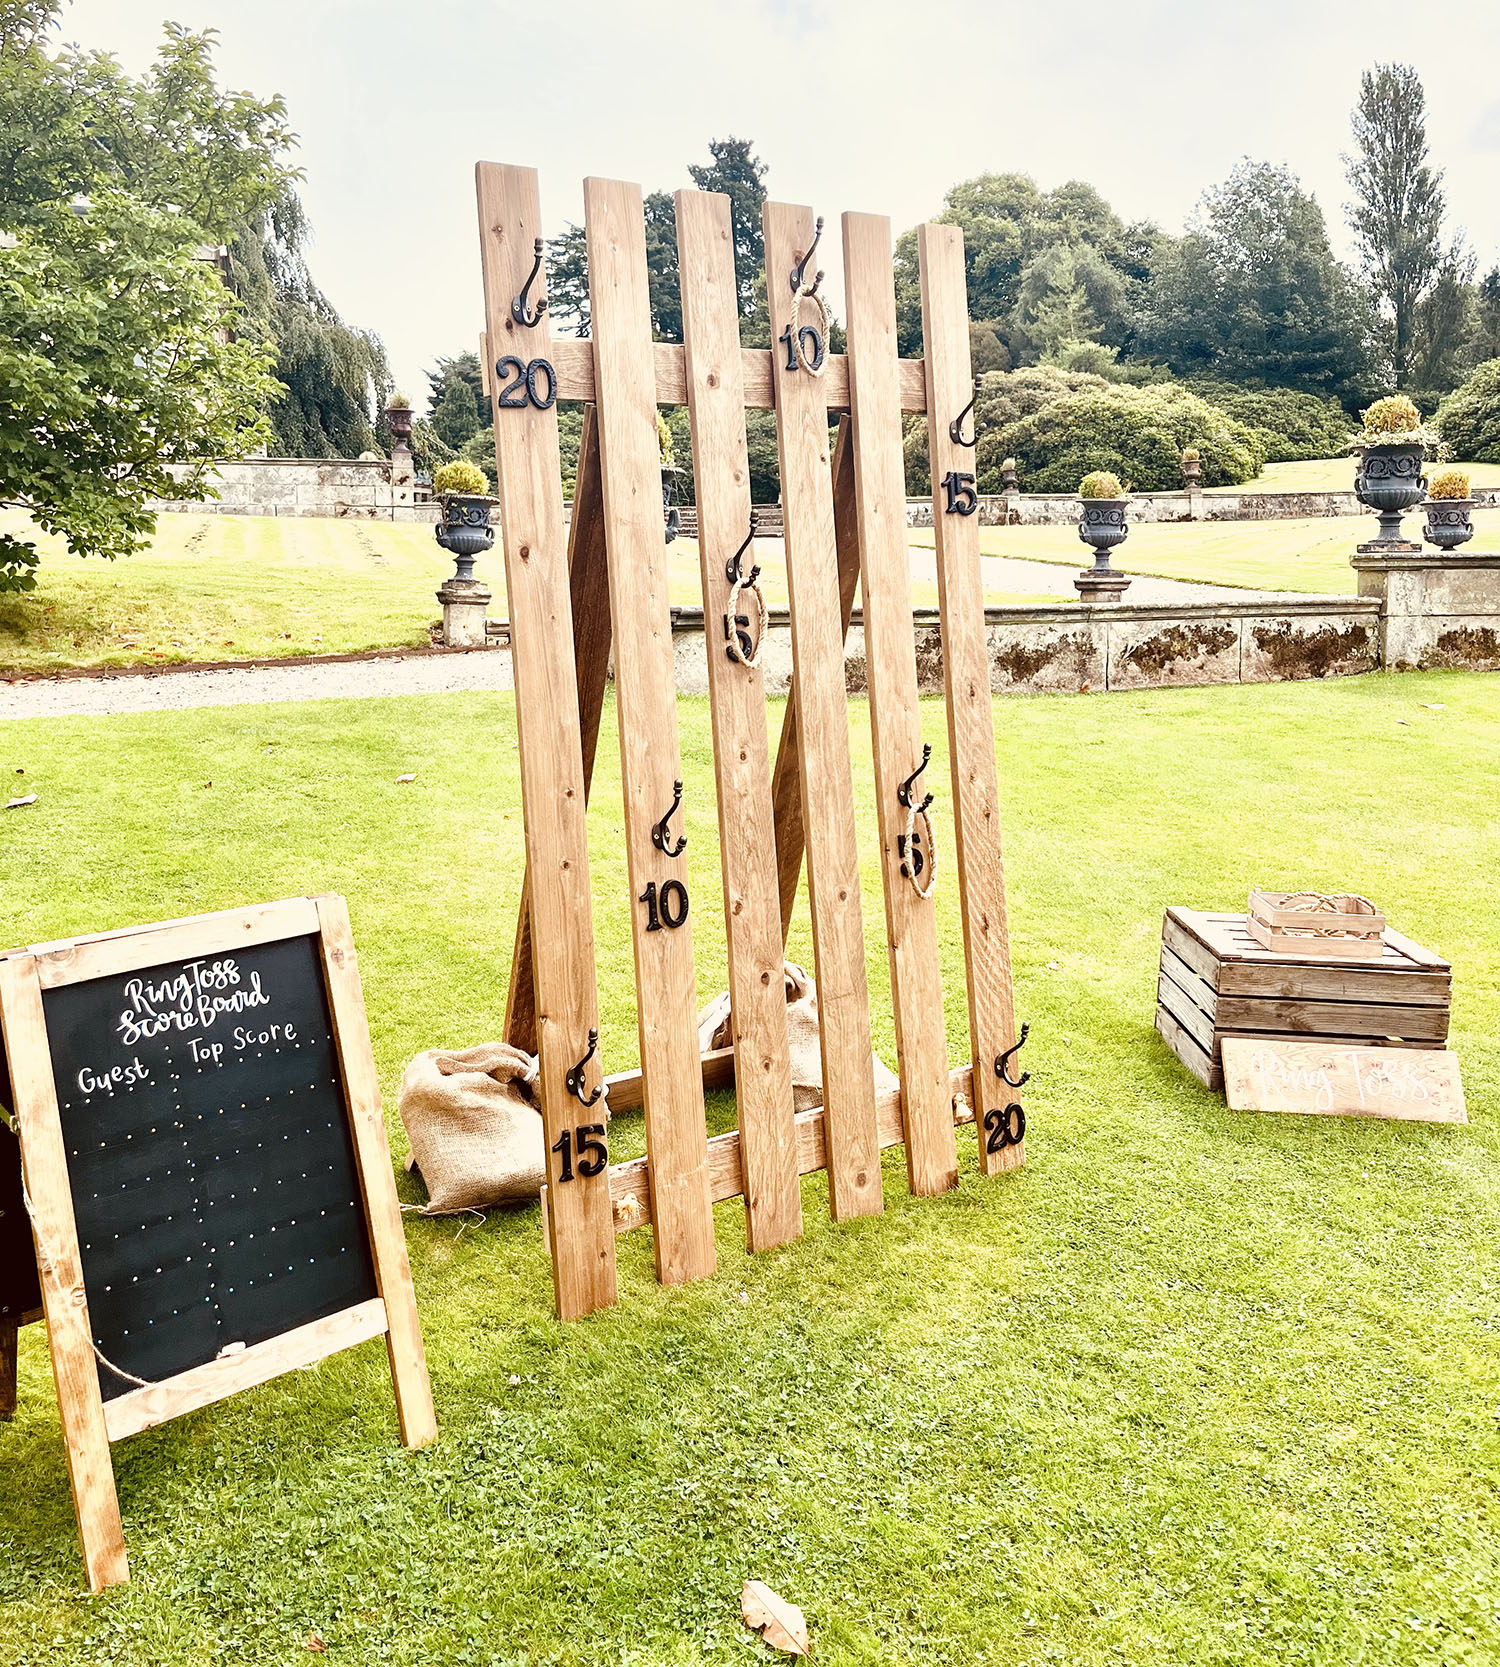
[[659, 837], [1002, 1062], [574, 1079], [519, 309]]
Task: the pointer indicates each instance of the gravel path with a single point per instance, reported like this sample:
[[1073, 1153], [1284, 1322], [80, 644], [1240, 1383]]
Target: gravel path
[[427, 674]]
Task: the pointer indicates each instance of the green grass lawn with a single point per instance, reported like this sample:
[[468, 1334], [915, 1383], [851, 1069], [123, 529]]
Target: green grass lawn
[[236, 587], [1194, 1387], [1308, 555], [1333, 474]]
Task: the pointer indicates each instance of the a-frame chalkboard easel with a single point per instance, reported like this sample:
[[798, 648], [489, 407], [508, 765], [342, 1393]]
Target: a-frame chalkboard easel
[[844, 525], [207, 1175]]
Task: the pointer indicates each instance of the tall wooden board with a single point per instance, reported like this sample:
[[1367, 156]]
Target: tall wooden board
[[971, 721], [747, 841], [895, 723], [823, 734], [650, 762], [552, 785]]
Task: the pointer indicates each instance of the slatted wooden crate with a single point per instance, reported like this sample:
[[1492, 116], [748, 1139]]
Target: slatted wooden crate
[[1216, 981]]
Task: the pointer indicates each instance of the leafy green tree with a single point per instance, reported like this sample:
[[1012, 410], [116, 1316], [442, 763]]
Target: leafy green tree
[[1289, 425], [739, 173], [1255, 294], [453, 415], [1469, 418], [120, 373], [1398, 207], [1484, 343]]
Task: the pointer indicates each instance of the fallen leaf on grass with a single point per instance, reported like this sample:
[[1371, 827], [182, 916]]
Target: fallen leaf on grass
[[781, 1624], [411, 777], [1432, 706], [16, 804], [1404, 722], [316, 1644]]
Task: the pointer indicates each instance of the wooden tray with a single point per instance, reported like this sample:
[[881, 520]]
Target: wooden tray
[[1333, 935]]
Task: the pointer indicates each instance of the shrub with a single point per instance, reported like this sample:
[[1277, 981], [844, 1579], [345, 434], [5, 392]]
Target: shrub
[[399, 402], [1136, 433], [1191, 454], [1393, 421], [1449, 483], [462, 478], [1469, 418], [1100, 484], [1291, 426]]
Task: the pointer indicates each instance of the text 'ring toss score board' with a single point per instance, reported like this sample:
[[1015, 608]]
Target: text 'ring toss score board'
[[207, 1175], [576, 590]]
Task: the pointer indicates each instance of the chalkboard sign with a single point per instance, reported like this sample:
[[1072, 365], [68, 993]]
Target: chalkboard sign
[[209, 1178]]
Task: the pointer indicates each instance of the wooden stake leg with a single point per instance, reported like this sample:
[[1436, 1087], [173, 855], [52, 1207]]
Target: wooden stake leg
[[747, 844], [971, 719], [588, 582], [9, 1346], [907, 859], [79, 1404]]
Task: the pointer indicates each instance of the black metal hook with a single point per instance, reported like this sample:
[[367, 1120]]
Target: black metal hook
[[659, 832], [519, 309], [799, 271], [574, 1078], [904, 791], [956, 427], [732, 566], [1009, 1054]]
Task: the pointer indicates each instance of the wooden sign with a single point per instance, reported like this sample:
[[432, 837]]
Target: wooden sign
[[207, 1175], [1332, 1079]]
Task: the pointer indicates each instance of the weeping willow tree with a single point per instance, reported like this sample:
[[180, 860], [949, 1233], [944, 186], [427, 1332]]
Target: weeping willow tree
[[335, 376]]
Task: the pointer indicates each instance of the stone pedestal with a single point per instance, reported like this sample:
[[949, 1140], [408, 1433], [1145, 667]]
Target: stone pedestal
[[1436, 609], [464, 603], [1094, 586], [403, 475]]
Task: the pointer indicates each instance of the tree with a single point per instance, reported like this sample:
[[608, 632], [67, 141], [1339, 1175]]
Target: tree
[[739, 173], [1254, 294], [1484, 343], [1398, 207], [118, 362], [1469, 419], [457, 404]]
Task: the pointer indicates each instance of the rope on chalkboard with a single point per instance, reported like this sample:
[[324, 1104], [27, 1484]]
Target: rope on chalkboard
[[49, 1266]]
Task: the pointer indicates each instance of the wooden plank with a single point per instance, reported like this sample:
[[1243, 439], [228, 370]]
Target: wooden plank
[[630, 1184], [34, 1104], [1222, 1036], [737, 705], [1427, 959], [9, 1350], [372, 1157], [574, 359], [979, 856], [108, 954], [1198, 990], [650, 758], [823, 743], [1228, 936], [895, 718], [626, 1090], [786, 778], [1197, 1059], [551, 748], [1197, 1024], [144, 1409], [1331, 1080], [1389, 981], [1332, 1018], [588, 584]]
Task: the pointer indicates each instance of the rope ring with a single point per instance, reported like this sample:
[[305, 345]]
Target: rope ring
[[751, 584], [811, 366], [913, 849]]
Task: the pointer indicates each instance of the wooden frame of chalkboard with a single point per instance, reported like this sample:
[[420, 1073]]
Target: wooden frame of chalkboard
[[206, 1167]]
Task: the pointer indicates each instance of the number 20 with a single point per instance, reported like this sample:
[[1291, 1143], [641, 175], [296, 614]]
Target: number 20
[[1004, 1128], [521, 388]]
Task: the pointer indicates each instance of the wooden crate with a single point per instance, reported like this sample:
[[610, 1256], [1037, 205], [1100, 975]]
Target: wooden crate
[[1216, 980], [1334, 936]]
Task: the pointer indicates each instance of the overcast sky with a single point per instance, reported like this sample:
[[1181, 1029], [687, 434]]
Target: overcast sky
[[862, 104]]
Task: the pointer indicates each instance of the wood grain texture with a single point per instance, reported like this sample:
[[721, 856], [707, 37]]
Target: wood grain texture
[[1334, 1080], [895, 720], [588, 584], [215, 1380], [107, 954], [979, 856], [576, 378], [45, 1164], [551, 748], [786, 778], [1187, 1048], [854, 1178], [737, 704], [630, 1182], [372, 1158], [9, 1348], [645, 695]]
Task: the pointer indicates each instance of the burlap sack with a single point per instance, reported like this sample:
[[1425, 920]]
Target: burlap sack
[[715, 1030], [475, 1135]]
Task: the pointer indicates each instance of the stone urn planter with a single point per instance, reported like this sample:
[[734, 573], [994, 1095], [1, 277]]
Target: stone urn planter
[[671, 477], [1102, 526], [465, 530], [1450, 522], [398, 417], [1390, 481]]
